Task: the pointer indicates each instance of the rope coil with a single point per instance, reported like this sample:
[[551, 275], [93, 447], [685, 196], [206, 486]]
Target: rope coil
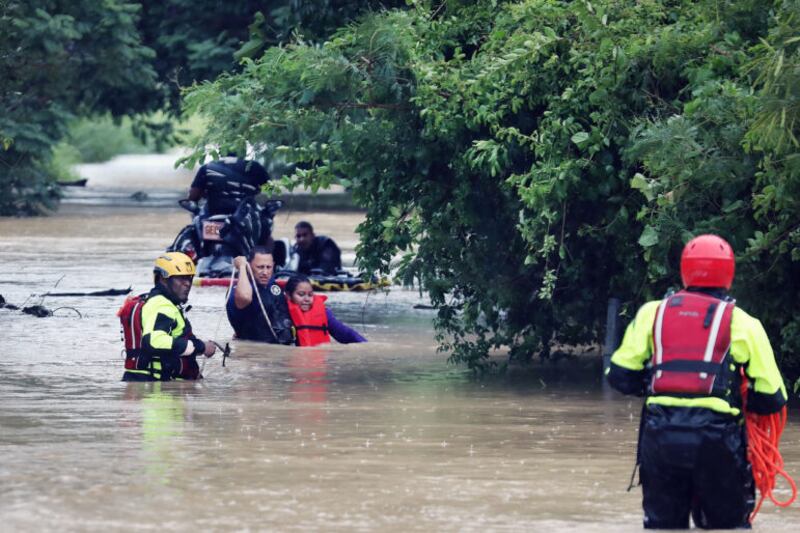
[[763, 441]]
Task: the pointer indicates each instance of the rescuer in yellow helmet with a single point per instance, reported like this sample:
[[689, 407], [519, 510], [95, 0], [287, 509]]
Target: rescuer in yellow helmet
[[687, 353], [167, 348]]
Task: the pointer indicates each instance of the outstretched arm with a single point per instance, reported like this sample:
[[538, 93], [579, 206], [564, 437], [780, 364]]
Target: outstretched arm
[[342, 332]]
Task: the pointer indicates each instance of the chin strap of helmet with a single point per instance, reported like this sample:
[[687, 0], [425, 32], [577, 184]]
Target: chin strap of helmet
[[763, 438]]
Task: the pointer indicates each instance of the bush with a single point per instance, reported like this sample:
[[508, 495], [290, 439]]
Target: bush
[[100, 138]]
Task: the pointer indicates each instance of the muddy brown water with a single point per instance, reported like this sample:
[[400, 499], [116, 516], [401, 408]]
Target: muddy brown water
[[378, 436]]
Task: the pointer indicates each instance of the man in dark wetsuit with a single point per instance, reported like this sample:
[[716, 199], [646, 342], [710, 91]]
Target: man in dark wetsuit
[[244, 307], [226, 182], [687, 354], [317, 254]]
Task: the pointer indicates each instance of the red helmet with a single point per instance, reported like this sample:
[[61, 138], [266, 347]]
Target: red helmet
[[707, 261]]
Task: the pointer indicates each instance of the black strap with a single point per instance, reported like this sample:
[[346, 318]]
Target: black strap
[[320, 328], [708, 367], [133, 353], [709, 315], [638, 447]]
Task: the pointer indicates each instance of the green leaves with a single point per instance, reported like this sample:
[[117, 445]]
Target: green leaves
[[580, 139], [524, 161], [640, 183], [61, 59], [649, 237]]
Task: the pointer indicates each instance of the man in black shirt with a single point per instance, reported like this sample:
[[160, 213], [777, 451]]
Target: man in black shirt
[[317, 254], [226, 182], [257, 308]]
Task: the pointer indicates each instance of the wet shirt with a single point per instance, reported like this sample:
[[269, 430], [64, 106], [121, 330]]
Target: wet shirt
[[229, 180], [249, 323], [341, 331], [323, 256]]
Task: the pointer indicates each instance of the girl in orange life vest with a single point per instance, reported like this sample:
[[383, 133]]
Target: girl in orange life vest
[[314, 323]]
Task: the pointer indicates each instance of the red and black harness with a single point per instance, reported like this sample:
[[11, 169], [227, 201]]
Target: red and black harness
[[691, 340], [130, 316]]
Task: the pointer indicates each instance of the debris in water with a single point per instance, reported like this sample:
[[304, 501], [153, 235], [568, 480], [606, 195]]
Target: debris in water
[[107, 292], [37, 310], [74, 183], [3, 304], [69, 308]]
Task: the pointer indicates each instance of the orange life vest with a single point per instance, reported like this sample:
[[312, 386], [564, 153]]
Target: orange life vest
[[691, 338], [311, 326]]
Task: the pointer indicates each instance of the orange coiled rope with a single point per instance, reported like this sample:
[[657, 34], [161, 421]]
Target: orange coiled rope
[[763, 438]]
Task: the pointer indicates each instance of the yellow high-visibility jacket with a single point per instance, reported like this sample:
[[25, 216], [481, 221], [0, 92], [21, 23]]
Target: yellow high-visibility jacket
[[165, 336], [750, 349]]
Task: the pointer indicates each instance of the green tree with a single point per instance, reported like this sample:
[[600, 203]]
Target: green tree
[[526, 160], [58, 59], [197, 41], [63, 59]]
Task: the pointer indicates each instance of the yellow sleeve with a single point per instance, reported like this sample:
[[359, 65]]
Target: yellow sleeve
[[637, 344], [750, 347], [160, 325]]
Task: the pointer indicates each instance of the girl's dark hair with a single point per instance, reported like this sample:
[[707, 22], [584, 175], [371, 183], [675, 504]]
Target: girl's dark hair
[[294, 281]]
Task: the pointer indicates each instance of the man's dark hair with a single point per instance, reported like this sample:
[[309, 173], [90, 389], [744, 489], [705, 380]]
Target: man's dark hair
[[259, 250], [304, 225]]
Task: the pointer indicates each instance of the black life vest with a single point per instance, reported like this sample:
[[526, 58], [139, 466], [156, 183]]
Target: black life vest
[[691, 340], [228, 184]]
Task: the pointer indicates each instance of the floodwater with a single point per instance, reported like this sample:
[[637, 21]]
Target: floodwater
[[378, 436]]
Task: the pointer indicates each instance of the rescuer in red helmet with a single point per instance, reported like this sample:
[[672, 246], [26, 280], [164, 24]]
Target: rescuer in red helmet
[[685, 353]]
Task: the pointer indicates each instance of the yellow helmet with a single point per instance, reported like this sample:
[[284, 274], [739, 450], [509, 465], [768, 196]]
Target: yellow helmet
[[174, 264]]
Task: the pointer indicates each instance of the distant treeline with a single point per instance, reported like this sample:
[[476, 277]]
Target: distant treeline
[[62, 59]]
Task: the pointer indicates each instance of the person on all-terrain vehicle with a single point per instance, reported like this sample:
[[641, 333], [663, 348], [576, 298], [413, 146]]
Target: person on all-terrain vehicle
[[226, 182], [317, 254]]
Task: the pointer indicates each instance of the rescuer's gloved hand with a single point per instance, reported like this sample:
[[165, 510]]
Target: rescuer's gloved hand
[[210, 348]]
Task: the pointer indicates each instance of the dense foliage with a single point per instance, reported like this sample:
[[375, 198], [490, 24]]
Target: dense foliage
[[62, 59], [526, 160], [58, 58], [200, 40]]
